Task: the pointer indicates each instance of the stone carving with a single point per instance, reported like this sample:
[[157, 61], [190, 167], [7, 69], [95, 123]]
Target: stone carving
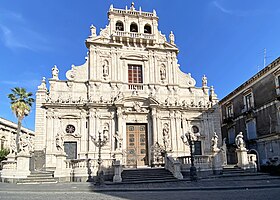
[[25, 143], [162, 73], [171, 38], [204, 81], [105, 69], [59, 142], [92, 31], [118, 141], [224, 152], [13, 146], [106, 131], [158, 154], [166, 138], [214, 140], [55, 72], [239, 141], [137, 107], [71, 74], [43, 84], [105, 32]]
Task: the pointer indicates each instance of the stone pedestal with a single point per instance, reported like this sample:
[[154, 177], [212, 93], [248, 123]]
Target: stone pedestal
[[217, 162], [242, 158], [9, 167], [23, 165], [117, 172], [61, 171], [118, 155]]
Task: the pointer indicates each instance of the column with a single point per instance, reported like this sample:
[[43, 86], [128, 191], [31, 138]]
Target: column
[[154, 120]]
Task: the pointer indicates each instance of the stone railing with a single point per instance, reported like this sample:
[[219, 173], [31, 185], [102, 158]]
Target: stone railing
[[77, 164], [173, 166], [200, 161], [9, 165], [135, 86], [133, 12], [146, 36]]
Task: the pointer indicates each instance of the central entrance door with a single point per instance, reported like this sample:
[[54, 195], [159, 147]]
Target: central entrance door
[[136, 143]]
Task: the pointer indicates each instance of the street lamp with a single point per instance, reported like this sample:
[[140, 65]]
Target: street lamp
[[99, 144], [190, 142]]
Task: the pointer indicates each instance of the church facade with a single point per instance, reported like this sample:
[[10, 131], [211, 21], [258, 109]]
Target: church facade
[[130, 93]]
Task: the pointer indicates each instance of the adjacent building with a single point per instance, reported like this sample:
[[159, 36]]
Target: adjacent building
[[253, 108], [131, 93], [8, 131]]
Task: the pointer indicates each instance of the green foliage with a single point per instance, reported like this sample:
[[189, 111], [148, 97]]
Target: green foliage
[[21, 101], [3, 154]]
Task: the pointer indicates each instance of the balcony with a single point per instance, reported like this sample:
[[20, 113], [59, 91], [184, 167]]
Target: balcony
[[135, 86], [134, 35]]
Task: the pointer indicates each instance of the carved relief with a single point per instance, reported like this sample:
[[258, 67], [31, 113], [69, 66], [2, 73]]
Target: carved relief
[[166, 137], [162, 72], [105, 69]]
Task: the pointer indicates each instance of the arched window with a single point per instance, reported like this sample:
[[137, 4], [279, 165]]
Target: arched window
[[119, 26], [147, 29], [133, 27]]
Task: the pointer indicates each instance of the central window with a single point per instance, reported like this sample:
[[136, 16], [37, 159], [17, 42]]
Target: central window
[[135, 74]]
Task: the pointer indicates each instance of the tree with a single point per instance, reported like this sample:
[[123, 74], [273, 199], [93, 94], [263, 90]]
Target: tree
[[21, 103]]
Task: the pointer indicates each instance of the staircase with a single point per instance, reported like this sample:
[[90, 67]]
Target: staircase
[[38, 177], [147, 175], [231, 172]]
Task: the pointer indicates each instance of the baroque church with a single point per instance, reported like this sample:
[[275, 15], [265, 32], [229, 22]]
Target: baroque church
[[130, 93]]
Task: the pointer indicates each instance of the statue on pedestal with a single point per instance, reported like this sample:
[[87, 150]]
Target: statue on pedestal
[[59, 142], [214, 145], [239, 141]]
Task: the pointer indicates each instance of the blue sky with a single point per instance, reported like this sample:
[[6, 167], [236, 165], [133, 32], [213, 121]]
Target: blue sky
[[223, 39]]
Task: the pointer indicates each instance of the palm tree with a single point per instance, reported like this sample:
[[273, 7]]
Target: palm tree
[[21, 102]]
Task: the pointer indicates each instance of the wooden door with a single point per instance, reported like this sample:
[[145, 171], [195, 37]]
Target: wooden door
[[136, 145]]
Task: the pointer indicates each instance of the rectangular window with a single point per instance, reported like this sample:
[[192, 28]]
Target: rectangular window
[[135, 74], [251, 129], [197, 148], [278, 79], [231, 135], [248, 101], [229, 111]]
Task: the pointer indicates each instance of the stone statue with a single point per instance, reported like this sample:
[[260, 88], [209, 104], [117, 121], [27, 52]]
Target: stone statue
[[239, 141], [224, 152], [214, 140], [106, 131], [105, 70], [92, 31], [25, 145], [165, 134], [118, 141], [13, 146], [204, 81], [59, 142], [171, 38], [55, 72], [162, 73]]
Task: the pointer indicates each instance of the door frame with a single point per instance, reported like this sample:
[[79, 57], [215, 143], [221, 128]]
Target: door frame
[[147, 161]]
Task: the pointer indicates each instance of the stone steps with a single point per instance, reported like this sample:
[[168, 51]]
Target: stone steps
[[38, 177], [146, 175]]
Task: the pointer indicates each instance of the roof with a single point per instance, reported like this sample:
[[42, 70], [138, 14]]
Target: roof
[[254, 78], [8, 123]]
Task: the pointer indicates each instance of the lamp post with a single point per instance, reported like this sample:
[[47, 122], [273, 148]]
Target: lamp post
[[99, 144], [190, 142]]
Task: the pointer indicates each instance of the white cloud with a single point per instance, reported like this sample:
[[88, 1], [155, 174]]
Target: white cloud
[[15, 34], [221, 8]]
